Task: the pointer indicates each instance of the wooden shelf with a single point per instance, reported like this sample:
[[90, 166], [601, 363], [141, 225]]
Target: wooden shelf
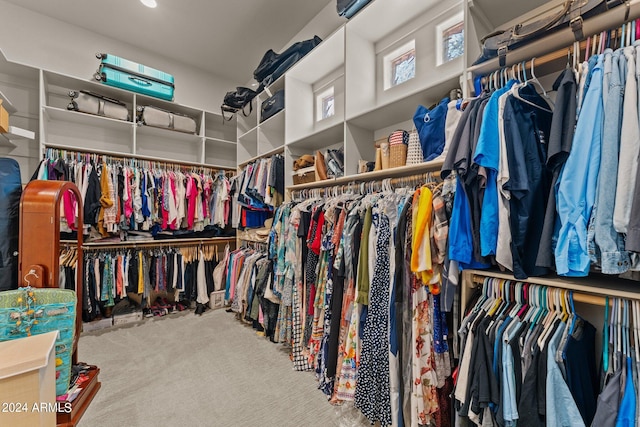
[[253, 129], [320, 139], [432, 166], [54, 113], [275, 122], [173, 135], [595, 287], [403, 109], [81, 402], [11, 109], [218, 140], [277, 150], [17, 133]]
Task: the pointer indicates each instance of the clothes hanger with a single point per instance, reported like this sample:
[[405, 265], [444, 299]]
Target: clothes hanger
[[490, 297], [515, 91], [533, 302], [484, 295], [636, 320], [497, 303], [605, 336], [548, 320], [535, 81], [525, 301], [625, 327], [618, 334]]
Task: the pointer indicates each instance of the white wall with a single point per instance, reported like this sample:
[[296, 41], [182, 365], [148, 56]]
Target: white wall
[[37, 40]]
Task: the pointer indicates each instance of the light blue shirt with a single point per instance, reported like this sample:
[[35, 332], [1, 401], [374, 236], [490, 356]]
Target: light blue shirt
[[562, 410], [487, 154], [509, 403], [577, 187]]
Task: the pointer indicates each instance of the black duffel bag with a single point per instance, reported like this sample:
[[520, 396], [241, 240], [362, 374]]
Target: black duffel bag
[[237, 101], [273, 65], [571, 13], [272, 105]]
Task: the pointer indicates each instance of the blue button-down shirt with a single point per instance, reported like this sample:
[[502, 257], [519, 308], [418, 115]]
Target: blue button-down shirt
[[487, 154], [577, 189]]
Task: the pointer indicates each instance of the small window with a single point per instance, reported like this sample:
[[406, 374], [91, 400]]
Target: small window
[[450, 35], [400, 65], [325, 105], [404, 68]]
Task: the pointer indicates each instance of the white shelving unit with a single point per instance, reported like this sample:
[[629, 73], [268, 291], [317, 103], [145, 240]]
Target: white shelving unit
[[257, 138], [352, 62], [321, 68], [213, 144], [14, 133]]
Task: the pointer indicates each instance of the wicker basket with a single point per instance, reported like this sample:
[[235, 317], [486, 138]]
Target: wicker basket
[[398, 155], [304, 175], [414, 155]]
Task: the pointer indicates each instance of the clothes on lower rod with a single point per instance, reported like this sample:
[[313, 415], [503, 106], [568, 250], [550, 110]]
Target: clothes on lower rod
[[111, 274]]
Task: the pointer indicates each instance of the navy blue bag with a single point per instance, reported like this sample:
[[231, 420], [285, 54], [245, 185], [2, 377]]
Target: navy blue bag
[[348, 8], [571, 14], [430, 125], [273, 65], [272, 105], [11, 190]]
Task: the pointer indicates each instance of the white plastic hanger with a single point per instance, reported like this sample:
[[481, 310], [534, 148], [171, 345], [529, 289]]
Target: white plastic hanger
[[515, 90]]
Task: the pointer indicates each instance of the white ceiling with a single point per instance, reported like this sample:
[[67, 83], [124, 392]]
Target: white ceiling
[[224, 37]]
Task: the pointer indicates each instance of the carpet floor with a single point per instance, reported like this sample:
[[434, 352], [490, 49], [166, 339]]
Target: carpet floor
[[209, 370]]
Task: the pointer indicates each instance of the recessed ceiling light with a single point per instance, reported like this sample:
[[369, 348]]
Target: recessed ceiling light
[[149, 3]]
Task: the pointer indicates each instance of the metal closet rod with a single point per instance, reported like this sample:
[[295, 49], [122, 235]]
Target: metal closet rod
[[577, 296], [563, 38], [411, 180], [122, 156], [253, 244], [151, 244]]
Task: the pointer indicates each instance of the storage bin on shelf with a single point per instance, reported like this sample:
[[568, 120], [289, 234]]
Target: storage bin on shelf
[[304, 175]]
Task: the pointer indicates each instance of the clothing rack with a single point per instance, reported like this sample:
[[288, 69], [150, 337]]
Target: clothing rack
[[562, 38], [542, 65], [371, 186], [399, 172], [64, 151], [577, 296], [259, 246], [98, 246], [591, 290]]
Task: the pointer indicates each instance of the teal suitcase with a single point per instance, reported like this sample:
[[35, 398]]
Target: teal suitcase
[[129, 75]]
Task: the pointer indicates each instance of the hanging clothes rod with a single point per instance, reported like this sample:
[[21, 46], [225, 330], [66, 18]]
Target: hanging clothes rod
[[370, 185], [125, 156], [97, 246], [543, 64], [563, 38], [367, 187], [578, 296], [399, 172], [254, 245]]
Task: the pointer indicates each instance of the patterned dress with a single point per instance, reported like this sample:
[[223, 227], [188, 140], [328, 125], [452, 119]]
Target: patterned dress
[[373, 396]]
